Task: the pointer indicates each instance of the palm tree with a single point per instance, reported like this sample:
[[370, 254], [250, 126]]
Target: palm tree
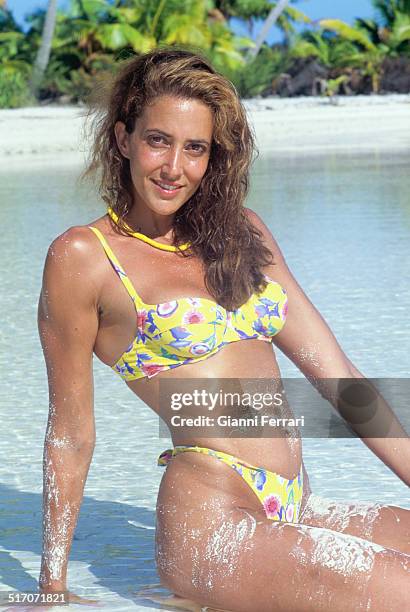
[[95, 34], [393, 29], [387, 9], [368, 54], [330, 51], [271, 19], [43, 54]]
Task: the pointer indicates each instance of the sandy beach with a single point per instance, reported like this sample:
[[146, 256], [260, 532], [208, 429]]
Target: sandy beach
[[282, 126]]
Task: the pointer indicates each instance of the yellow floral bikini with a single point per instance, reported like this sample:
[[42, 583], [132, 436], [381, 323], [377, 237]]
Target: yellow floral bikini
[[281, 498], [191, 329]]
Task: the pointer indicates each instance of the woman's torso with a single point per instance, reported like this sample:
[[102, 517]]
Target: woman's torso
[[159, 276]]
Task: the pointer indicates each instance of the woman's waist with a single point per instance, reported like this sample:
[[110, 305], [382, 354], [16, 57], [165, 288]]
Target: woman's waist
[[267, 480], [282, 456], [236, 366], [250, 418]]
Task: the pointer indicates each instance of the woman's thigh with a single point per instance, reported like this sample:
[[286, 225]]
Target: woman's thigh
[[236, 559], [385, 525]]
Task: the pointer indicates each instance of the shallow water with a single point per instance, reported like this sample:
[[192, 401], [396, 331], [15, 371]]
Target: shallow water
[[344, 226]]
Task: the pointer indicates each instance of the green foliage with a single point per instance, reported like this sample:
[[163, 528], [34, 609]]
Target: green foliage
[[244, 9], [257, 76], [79, 82], [15, 68], [96, 29], [395, 38], [333, 86], [7, 23], [249, 10], [373, 44], [330, 51], [14, 90], [347, 32], [92, 35], [388, 9]]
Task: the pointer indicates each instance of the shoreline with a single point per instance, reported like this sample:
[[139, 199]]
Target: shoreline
[[283, 126]]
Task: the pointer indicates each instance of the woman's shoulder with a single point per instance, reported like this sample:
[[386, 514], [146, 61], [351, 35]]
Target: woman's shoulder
[[78, 241], [76, 249], [254, 218], [74, 272], [260, 225]]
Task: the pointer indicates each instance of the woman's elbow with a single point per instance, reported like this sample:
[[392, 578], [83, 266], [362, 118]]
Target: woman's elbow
[[83, 443]]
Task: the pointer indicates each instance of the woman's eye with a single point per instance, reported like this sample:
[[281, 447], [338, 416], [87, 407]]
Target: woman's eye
[[155, 139], [197, 148], [193, 147]]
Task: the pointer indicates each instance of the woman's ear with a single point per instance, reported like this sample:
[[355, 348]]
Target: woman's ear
[[121, 136]]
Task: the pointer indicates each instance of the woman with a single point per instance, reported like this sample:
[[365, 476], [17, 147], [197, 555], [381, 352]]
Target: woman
[[180, 273]]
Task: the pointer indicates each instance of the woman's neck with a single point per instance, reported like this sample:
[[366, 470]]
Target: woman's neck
[[157, 227], [159, 244]]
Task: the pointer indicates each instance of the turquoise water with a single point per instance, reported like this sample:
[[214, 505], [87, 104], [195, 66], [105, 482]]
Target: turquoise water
[[343, 224]]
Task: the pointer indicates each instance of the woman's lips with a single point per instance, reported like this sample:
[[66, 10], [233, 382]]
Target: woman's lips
[[167, 193]]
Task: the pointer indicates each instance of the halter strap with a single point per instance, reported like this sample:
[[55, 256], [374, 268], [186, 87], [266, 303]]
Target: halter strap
[[118, 268], [144, 238]]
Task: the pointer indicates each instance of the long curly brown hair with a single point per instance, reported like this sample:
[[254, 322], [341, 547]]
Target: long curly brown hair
[[213, 220]]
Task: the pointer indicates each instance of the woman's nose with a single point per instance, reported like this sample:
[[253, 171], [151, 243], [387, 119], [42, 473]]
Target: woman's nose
[[172, 166]]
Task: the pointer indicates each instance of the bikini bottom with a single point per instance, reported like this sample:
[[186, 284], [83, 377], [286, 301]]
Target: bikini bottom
[[281, 498]]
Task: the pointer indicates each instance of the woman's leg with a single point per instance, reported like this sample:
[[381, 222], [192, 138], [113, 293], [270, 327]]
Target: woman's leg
[[385, 525], [238, 560]]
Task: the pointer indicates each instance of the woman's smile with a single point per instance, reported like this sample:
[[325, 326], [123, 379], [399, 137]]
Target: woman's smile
[[168, 152], [167, 190]]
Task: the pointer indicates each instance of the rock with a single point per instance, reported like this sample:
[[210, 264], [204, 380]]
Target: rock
[[358, 83], [65, 99], [303, 78], [396, 75]]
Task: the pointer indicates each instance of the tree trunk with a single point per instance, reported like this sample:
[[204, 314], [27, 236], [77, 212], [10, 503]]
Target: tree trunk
[[271, 19], [43, 54]]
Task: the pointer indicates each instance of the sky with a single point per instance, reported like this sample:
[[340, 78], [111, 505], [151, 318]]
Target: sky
[[315, 9]]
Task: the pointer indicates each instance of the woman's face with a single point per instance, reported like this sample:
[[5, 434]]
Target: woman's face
[[168, 151]]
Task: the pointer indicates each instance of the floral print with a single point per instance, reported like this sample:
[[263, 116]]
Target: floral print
[[290, 509], [281, 498], [150, 370], [191, 329], [167, 308], [179, 332], [272, 505], [141, 319], [193, 316], [259, 478]]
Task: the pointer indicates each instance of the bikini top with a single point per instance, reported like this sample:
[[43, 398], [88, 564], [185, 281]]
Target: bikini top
[[191, 329]]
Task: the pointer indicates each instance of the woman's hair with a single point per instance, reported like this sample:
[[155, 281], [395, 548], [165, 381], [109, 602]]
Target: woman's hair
[[213, 220]]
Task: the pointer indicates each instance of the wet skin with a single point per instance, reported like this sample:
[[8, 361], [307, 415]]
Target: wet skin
[[171, 142], [200, 498]]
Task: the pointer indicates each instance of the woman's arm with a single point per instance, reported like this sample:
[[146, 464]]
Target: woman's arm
[[68, 324], [308, 341]]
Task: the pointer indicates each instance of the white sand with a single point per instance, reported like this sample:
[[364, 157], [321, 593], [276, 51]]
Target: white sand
[[283, 126], [311, 125]]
